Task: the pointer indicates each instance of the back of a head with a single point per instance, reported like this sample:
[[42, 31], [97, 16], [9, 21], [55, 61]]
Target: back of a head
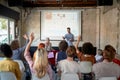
[[109, 52], [63, 45], [6, 50], [100, 52], [87, 48], [47, 39], [41, 45], [14, 44], [40, 62], [71, 51]]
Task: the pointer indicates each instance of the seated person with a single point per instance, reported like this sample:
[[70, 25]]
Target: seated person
[[117, 59], [61, 55], [41, 45], [17, 50], [40, 67], [48, 45], [87, 51], [107, 68], [7, 64], [99, 56], [68, 65]]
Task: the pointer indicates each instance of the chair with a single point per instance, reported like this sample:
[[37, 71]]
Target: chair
[[7, 76], [46, 77], [21, 65], [107, 78], [69, 76], [1, 58], [85, 66], [86, 70], [22, 68]]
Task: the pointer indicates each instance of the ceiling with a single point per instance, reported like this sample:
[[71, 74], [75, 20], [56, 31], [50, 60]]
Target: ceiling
[[60, 3], [53, 3]]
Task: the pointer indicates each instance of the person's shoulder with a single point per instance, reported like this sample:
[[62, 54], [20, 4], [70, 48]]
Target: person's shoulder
[[62, 61], [115, 64], [97, 64]]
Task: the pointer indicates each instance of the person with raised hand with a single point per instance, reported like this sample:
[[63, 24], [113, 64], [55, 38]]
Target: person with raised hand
[[40, 67], [17, 50]]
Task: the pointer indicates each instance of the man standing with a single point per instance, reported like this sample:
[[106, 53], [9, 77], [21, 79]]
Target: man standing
[[69, 37]]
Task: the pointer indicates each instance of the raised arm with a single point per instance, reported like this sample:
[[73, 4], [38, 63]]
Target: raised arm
[[27, 53], [31, 38], [27, 40], [77, 43]]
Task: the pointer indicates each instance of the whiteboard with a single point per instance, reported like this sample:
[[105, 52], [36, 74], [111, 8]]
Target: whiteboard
[[54, 23]]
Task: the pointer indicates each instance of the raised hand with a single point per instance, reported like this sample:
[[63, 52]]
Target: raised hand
[[25, 36], [31, 38], [78, 38]]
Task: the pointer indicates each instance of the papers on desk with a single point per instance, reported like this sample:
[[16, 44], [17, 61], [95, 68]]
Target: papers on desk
[[50, 55]]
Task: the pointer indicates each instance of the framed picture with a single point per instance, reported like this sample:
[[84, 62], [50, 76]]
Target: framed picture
[[54, 23]]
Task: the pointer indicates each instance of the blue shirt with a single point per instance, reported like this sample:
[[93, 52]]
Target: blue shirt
[[68, 37], [61, 56], [17, 52]]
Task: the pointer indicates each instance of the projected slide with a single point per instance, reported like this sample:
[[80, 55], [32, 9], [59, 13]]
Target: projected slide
[[55, 22]]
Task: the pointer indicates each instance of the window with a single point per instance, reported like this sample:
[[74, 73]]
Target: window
[[6, 30]]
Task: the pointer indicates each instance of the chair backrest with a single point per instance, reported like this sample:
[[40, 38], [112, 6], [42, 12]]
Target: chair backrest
[[7, 76], [108, 78], [85, 66], [69, 76], [46, 77], [1, 58], [22, 68], [21, 65]]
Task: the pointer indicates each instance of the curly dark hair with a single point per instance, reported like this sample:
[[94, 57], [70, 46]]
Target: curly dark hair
[[6, 50], [87, 48], [63, 45]]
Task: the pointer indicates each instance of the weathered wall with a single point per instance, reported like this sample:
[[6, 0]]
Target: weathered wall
[[31, 23], [99, 25], [110, 26], [89, 25]]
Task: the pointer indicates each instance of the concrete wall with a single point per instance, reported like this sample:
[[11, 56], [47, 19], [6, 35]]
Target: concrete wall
[[100, 25], [110, 26], [31, 23]]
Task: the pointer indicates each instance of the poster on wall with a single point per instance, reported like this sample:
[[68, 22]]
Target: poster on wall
[[54, 23]]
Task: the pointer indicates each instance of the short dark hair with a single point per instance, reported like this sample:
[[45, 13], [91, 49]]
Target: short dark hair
[[87, 48], [6, 50], [71, 51], [63, 45], [68, 27]]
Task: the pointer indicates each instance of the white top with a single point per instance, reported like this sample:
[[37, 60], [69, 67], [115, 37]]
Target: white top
[[106, 69], [66, 66]]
